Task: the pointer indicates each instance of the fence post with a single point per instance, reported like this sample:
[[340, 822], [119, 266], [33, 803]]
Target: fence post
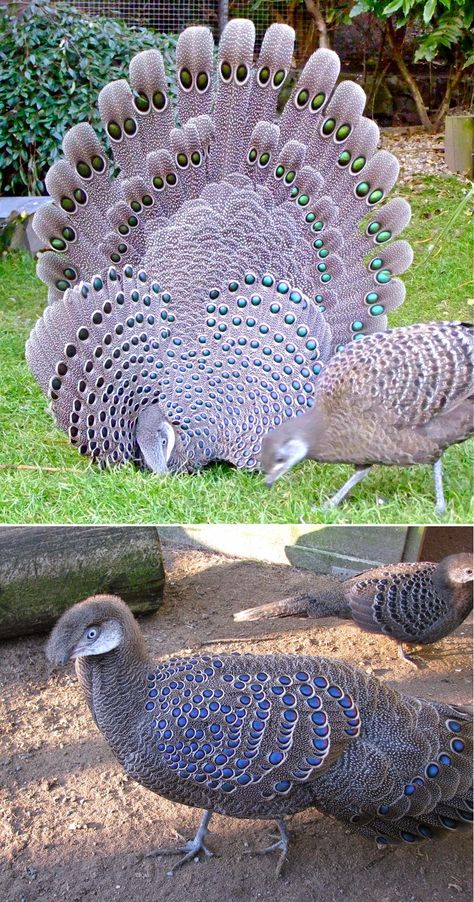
[[223, 14]]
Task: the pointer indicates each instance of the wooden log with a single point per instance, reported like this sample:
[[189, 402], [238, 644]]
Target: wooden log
[[459, 144], [46, 569]]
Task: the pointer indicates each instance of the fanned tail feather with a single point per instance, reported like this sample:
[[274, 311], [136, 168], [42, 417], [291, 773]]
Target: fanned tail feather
[[216, 191]]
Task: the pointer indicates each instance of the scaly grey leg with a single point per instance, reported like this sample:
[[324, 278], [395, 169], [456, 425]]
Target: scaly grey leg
[[191, 848], [281, 843], [408, 658], [438, 481], [354, 479]]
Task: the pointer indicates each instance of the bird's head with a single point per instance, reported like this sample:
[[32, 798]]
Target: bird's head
[[95, 626], [156, 438], [457, 569], [281, 450]]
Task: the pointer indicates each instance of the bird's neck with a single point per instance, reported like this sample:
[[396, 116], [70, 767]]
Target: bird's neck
[[458, 595], [115, 685]]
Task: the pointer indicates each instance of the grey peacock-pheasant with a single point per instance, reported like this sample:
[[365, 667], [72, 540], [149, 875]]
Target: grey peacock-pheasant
[[418, 603], [267, 736], [196, 296]]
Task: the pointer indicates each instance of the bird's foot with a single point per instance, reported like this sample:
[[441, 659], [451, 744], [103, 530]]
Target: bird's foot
[[191, 847], [336, 499], [281, 844], [417, 664]]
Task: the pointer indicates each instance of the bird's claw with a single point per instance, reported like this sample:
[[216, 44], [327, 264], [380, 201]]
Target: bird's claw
[[281, 843]]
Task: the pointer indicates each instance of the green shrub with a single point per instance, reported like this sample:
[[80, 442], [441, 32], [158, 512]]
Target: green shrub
[[54, 60]]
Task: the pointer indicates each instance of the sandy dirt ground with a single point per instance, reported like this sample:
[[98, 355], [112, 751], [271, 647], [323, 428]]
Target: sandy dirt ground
[[74, 827]]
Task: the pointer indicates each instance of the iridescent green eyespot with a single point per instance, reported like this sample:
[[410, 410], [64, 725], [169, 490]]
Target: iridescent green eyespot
[[186, 78], [344, 158], [362, 189], [384, 276], [323, 253], [373, 228], [132, 221], [68, 204], [98, 163], [182, 160], [318, 243], [318, 101], [376, 263], [317, 226], [123, 229], [136, 207], [264, 159], [371, 297], [141, 102], [279, 77], [171, 179], [343, 132], [264, 75], [195, 158], [114, 131], [302, 97], [122, 248], [84, 170], [159, 100], [375, 196], [241, 73], [310, 217], [202, 81], [384, 235], [70, 273], [80, 196], [147, 200], [130, 126], [58, 244], [294, 191], [279, 171], [358, 164], [62, 285], [328, 127], [303, 200], [290, 177], [115, 258], [226, 71], [69, 234], [252, 155], [377, 309], [158, 183]]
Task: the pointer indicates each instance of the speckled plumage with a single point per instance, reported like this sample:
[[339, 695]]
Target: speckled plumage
[[266, 736], [215, 276], [411, 602], [399, 397]]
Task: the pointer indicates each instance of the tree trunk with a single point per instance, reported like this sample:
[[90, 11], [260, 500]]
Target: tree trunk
[[408, 78], [454, 78], [315, 12]]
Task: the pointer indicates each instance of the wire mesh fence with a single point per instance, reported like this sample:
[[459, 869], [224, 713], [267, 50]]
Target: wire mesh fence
[[174, 15]]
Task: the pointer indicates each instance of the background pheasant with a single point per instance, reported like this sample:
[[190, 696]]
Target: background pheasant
[[196, 295], [417, 603], [267, 736]]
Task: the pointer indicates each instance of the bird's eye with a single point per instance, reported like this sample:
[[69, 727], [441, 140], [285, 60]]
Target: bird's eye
[[92, 633], [280, 459], [164, 442]]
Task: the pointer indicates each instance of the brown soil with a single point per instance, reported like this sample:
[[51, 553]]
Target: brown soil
[[75, 827]]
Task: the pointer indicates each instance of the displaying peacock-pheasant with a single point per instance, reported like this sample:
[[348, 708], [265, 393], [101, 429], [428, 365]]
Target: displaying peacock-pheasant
[[417, 603], [196, 295], [267, 736]]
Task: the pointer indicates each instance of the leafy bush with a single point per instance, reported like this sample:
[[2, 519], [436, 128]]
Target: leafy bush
[[54, 60]]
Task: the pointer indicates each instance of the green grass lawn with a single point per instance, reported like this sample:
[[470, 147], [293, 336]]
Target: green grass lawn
[[44, 480]]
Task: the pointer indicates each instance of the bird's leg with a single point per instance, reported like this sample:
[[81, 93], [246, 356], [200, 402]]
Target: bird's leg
[[282, 843], [438, 481], [408, 658], [346, 488], [191, 848]]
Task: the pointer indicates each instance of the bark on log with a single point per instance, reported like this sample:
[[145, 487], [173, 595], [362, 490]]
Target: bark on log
[[46, 569]]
